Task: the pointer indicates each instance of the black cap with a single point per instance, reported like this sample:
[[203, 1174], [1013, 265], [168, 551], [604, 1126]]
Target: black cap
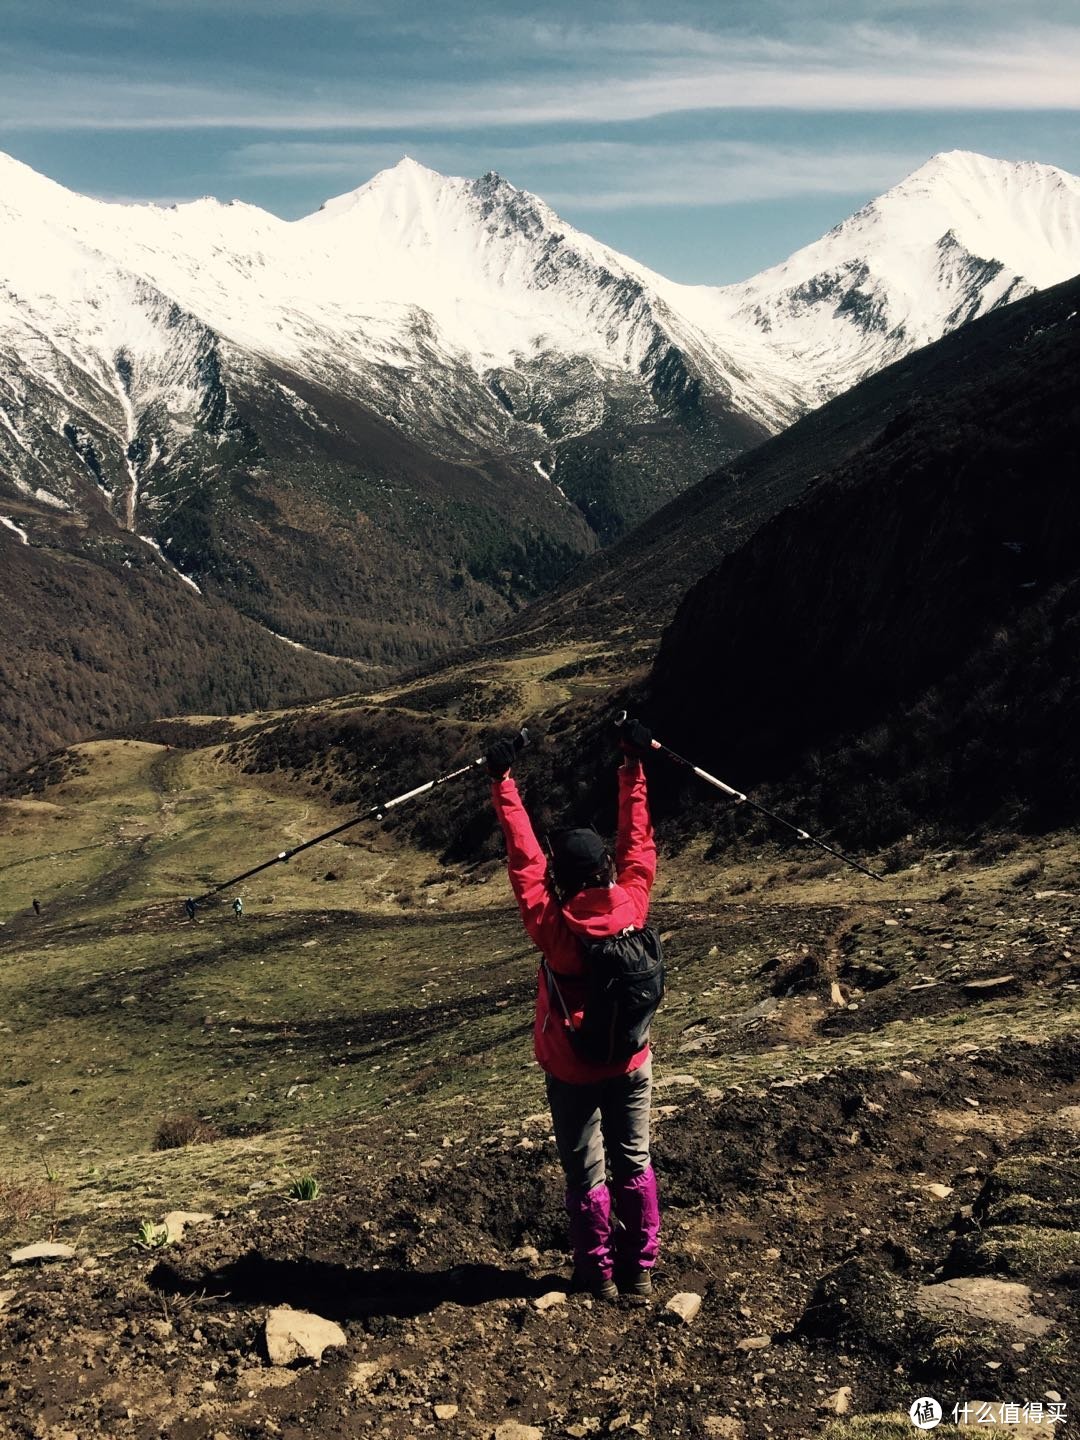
[[577, 856]]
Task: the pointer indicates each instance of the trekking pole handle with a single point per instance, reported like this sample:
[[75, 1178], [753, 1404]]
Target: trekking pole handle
[[519, 742]]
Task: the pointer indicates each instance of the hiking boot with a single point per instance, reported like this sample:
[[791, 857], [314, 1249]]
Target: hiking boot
[[636, 1284], [600, 1287]]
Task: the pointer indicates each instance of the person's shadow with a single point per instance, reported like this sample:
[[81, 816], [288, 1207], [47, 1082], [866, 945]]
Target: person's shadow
[[337, 1292]]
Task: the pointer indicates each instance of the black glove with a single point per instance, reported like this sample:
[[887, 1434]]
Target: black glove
[[635, 738], [499, 758]]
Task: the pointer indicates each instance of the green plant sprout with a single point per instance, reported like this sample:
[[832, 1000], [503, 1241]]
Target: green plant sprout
[[152, 1237], [304, 1187]]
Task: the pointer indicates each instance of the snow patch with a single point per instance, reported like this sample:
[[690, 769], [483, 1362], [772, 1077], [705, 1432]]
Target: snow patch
[[296, 645], [174, 568], [17, 528]]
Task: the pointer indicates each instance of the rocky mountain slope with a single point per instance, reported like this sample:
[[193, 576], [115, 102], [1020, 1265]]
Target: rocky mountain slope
[[907, 636], [380, 430], [467, 314]]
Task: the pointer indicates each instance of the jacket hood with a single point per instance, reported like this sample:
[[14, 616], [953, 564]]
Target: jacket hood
[[600, 910]]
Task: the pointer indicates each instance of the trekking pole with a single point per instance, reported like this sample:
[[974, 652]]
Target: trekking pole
[[740, 799], [376, 812]]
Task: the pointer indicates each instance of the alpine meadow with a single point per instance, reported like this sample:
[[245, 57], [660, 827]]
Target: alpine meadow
[[540, 808]]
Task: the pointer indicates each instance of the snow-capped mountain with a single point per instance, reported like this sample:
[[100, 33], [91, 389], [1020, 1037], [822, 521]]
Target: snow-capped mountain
[[441, 363], [466, 314], [956, 239], [380, 429]]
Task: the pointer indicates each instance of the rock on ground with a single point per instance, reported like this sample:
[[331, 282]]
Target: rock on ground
[[553, 1297], [997, 1302], [683, 1307], [297, 1335], [44, 1250], [177, 1221]]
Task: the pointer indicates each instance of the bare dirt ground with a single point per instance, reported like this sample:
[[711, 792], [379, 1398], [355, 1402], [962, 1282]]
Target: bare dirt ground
[[823, 1169]]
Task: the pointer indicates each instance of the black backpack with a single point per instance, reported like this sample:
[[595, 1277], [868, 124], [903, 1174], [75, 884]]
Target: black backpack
[[624, 984]]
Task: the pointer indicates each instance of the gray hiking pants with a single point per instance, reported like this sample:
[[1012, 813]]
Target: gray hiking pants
[[612, 1113]]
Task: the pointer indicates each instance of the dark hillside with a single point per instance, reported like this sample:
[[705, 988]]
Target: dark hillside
[[634, 586], [909, 633], [108, 639]]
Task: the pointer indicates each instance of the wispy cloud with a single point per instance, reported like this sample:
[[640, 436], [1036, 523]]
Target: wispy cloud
[[607, 174], [865, 69]]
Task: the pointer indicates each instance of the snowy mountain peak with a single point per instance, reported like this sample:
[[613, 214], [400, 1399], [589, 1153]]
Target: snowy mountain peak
[[466, 311], [407, 184], [961, 235]]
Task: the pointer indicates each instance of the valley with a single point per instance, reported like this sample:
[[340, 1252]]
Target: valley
[[831, 1050]]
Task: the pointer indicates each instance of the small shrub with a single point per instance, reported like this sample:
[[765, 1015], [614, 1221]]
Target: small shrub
[[176, 1131], [152, 1237], [21, 1200], [304, 1187], [995, 847], [1028, 875]]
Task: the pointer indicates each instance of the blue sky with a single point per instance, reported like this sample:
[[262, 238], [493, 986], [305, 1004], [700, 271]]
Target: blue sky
[[706, 139]]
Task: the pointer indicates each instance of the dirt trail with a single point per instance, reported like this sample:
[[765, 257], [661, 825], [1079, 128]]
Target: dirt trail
[[779, 1203]]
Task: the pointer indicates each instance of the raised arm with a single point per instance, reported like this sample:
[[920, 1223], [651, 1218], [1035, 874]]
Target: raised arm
[[526, 863], [635, 847]]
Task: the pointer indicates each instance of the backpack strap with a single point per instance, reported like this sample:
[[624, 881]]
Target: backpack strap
[[553, 990]]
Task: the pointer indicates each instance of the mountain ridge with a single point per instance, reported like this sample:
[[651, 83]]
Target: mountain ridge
[[347, 468]]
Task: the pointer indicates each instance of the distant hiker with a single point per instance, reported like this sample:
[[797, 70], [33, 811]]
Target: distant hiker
[[238, 907], [189, 906], [37, 907], [568, 912]]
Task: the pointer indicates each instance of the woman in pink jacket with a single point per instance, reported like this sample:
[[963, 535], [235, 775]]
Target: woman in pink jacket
[[586, 895]]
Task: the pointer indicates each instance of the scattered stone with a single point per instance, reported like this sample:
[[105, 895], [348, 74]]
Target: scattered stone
[[43, 1250], [724, 1427], [6, 1296], [551, 1299], [293, 1335], [683, 1307], [445, 1412], [252, 1381], [909, 1077], [667, 1080], [983, 987], [754, 1342], [998, 1302], [363, 1372], [527, 1254], [939, 1192], [514, 1430], [1054, 1396], [839, 1402], [177, 1221]]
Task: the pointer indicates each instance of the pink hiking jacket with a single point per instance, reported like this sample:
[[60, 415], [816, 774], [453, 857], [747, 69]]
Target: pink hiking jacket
[[598, 911]]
